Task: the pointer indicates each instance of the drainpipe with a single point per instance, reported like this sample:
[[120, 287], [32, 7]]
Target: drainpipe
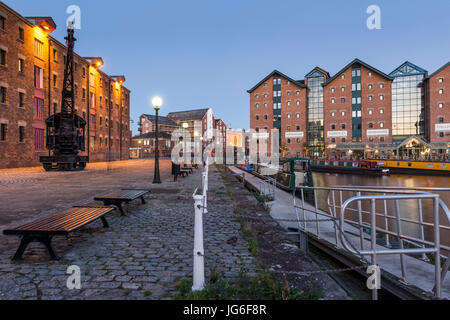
[[109, 120], [88, 113], [120, 124], [49, 93]]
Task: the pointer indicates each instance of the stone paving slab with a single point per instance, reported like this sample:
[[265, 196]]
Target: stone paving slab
[[141, 256]]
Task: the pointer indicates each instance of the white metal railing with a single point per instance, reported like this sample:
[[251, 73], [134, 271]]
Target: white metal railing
[[200, 208], [378, 223], [268, 187]]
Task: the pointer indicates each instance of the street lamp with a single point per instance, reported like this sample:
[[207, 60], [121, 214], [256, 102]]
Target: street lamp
[[157, 103]]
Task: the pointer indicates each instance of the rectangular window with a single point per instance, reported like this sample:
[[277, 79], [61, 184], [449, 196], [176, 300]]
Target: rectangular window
[[84, 94], [38, 78], [21, 133], [92, 79], [21, 34], [21, 99], [2, 95], [38, 49], [2, 57], [3, 129], [55, 55], [38, 139], [21, 65], [92, 102], [38, 109], [55, 81], [2, 22]]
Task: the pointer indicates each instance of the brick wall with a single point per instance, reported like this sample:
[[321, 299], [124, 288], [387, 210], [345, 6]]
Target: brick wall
[[18, 154], [438, 104]]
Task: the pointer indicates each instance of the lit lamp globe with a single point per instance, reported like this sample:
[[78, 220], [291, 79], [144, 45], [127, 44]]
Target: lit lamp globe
[[185, 125], [157, 102]]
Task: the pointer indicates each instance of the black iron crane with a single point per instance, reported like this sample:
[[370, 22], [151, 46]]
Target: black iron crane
[[66, 130]]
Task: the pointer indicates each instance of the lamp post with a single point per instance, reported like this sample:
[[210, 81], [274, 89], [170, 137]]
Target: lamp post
[[157, 103]]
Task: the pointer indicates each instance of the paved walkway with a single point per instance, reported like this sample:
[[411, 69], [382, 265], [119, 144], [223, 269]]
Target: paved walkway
[[418, 272], [141, 256]]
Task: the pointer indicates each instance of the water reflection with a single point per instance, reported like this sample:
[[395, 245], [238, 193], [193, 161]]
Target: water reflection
[[408, 208]]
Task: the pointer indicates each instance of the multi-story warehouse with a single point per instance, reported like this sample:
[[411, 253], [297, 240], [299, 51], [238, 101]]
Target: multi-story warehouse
[[147, 123], [359, 112], [200, 124], [31, 76]]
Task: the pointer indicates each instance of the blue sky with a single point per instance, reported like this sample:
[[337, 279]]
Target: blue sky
[[208, 53]]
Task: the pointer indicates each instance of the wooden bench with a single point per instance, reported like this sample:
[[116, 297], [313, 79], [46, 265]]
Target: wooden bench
[[176, 171], [189, 169], [116, 198], [58, 224]]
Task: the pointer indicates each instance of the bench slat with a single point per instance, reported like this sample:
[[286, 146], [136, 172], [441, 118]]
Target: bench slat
[[64, 221]]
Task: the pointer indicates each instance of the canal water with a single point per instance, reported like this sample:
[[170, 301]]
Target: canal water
[[408, 208]]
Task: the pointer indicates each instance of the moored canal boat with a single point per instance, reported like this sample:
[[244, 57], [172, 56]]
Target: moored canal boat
[[416, 166], [349, 166]]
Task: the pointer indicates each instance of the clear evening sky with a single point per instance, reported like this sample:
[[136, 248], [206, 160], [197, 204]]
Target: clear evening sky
[[207, 53]]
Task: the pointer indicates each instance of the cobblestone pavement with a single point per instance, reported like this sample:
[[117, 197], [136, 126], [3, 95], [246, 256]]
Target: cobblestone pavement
[[141, 256], [31, 192]]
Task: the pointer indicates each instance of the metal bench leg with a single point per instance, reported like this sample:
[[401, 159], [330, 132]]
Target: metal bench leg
[[47, 241], [105, 222], [143, 200], [22, 247], [119, 205]]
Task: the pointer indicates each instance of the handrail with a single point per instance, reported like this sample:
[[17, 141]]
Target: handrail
[[373, 251], [384, 194]]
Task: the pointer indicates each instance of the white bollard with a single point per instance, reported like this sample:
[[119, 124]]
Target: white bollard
[[199, 262]]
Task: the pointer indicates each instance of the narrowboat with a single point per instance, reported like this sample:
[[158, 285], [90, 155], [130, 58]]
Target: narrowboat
[[349, 166], [416, 166]]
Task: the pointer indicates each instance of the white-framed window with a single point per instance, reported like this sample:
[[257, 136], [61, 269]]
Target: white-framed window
[[288, 83], [369, 73], [257, 105], [381, 111], [356, 114], [441, 91], [370, 98], [288, 115], [381, 97], [38, 48], [370, 86], [333, 100], [333, 89], [343, 76], [370, 112], [343, 113], [441, 105], [356, 72], [256, 96], [288, 93], [440, 80], [342, 89], [333, 113], [298, 92], [288, 103], [297, 115], [381, 124], [381, 85], [265, 105], [298, 102]]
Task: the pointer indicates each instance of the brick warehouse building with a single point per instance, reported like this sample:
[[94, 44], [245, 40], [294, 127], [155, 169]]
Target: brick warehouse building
[[31, 75], [199, 123], [359, 112]]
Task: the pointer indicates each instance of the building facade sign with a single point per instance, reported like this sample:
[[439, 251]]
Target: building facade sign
[[377, 132], [337, 134], [295, 134], [440, 127]]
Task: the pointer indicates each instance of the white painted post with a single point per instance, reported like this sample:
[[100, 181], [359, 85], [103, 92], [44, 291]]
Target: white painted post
[[205, 189], [199, 263]]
